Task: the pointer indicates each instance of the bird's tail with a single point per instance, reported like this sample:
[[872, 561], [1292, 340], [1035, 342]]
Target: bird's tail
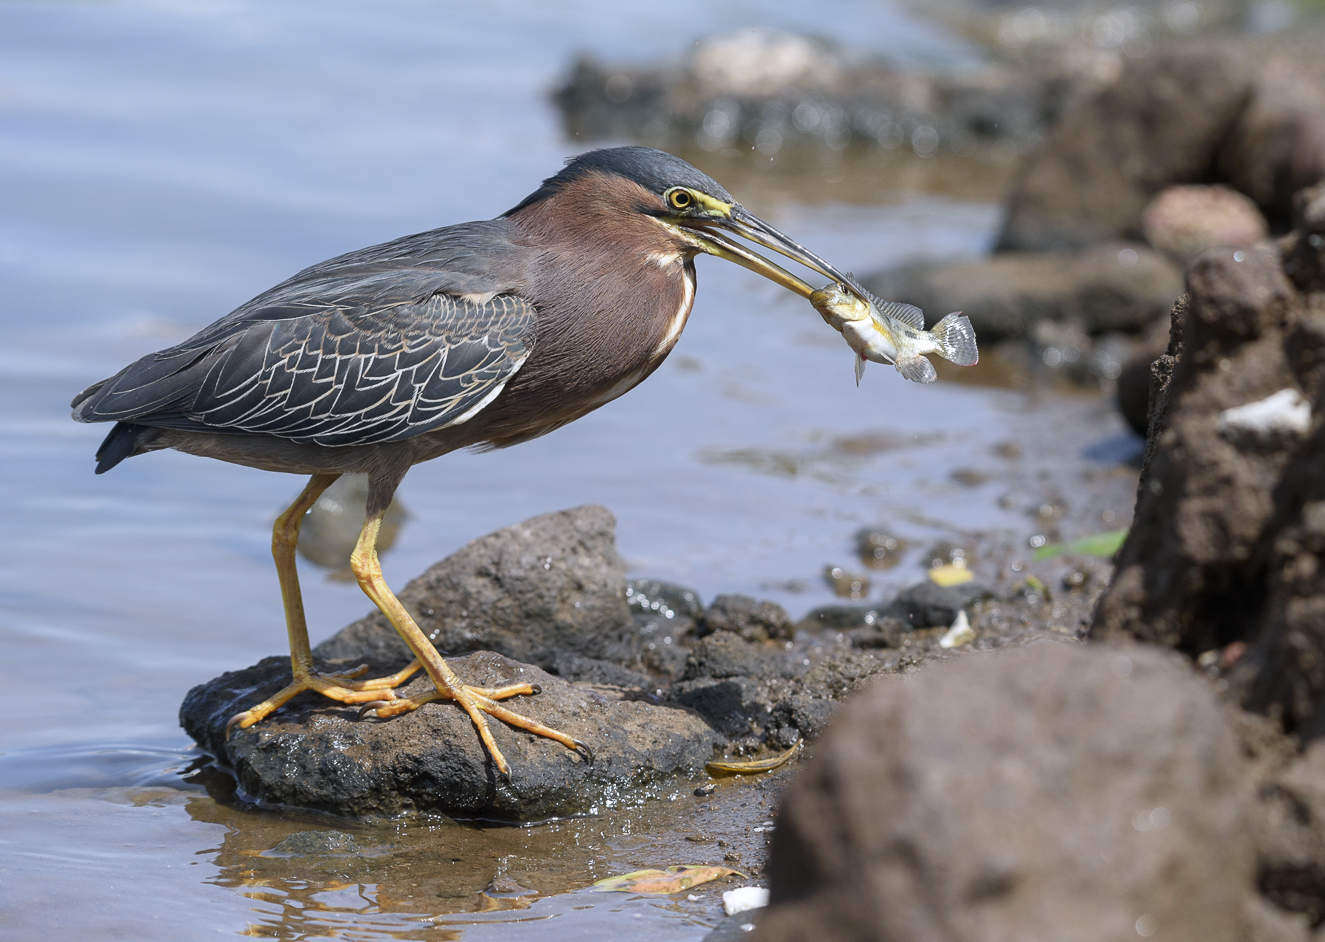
[[956, 339], [124, 441]]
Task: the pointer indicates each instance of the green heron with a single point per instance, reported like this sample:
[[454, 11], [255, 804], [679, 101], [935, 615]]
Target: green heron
[[480, 334]]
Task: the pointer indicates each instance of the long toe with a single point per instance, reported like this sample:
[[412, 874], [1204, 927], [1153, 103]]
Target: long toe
[[477, 701], [339, 687]]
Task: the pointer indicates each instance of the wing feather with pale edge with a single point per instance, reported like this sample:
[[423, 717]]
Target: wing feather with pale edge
[[365, 349]]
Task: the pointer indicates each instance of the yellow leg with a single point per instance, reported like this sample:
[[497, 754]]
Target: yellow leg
[[342, 687], [474, 700]]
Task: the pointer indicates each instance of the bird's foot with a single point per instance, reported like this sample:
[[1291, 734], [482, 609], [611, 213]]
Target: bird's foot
[[343, 687], [477, 701], [347, 678]]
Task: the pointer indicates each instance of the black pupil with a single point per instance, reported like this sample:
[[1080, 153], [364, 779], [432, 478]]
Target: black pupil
[[681, 199]]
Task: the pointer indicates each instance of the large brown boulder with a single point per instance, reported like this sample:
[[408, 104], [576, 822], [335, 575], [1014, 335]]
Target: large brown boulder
[[1049, 792], [1161, 123]]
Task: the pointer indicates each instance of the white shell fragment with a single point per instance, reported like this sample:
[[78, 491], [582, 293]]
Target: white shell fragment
[[1284, 414], [744, 898], [961, 633]]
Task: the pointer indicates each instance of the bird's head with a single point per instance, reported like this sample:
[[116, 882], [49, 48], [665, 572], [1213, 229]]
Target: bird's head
[[694, 210]]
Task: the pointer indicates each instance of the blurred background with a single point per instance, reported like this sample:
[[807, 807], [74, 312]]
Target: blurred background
[[161, 162]]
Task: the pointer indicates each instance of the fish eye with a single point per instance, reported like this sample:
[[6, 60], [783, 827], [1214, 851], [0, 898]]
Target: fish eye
[[679, 199]]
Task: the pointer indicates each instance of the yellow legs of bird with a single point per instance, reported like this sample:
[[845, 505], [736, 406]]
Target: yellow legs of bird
[[447, 686], [342, 687], [378, 693]]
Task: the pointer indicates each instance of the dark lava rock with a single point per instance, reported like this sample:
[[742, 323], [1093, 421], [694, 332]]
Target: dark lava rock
[[748, 617], [1229, 529], [1052, 791], [667, 599], [1117, 286], [535, 591], [552, 591], [930, 605], [315, 755], [1162, 122], [765, 693], [862, 626]]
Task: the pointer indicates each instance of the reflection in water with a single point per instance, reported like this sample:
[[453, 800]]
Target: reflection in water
[[332, 527], [431, 878]]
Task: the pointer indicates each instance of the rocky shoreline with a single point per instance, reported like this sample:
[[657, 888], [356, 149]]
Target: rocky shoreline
[[1125, 747]]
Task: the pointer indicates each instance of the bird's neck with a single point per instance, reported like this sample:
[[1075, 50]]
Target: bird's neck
[[614, 288]]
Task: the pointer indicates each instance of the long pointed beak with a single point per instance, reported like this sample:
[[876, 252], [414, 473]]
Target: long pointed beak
[[709, 238]]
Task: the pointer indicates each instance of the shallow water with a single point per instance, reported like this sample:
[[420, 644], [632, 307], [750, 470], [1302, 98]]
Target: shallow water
[[162, 162]]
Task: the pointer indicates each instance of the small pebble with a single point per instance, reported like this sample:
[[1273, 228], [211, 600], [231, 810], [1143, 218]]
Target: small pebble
[[703, 791], [846, 584]]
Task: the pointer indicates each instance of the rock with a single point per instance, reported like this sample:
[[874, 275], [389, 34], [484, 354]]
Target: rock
[[1117, 286], [314, 755], [1161, 123], [1132, 385], [1266, 922], [758, 694], [845, 583], [1051, 791], [1228, 533], [774, 92], [666, 599], [878, 548], [749, 618], [1290, 830], [551, 590], [1184, 221], [1277, 145], [1132, 391], [929, 605], [535, 592]]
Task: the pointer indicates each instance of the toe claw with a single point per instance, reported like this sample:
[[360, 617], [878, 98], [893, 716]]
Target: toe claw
[[535, 689], [371, 707], [585, 752]]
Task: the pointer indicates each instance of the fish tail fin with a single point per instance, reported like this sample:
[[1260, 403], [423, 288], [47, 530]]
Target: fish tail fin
[[956, 339], [860, 368], [917, 369]]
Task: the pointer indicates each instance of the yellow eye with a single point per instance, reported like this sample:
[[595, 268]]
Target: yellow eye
[[680, 199]]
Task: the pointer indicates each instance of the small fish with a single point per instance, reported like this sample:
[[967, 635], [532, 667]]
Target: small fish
[[892, 332]]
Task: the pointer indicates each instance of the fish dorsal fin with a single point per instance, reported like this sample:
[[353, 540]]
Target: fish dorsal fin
[[908, 314]]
